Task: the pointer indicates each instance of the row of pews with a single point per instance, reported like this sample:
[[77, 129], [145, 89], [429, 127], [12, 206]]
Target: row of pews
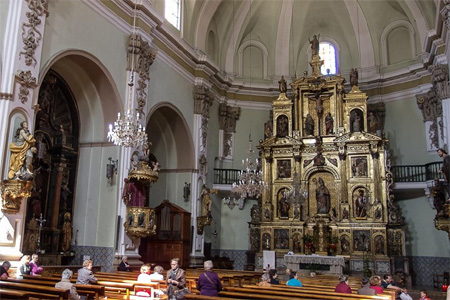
[[237, 285]]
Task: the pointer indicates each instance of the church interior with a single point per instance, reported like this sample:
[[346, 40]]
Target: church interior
[[242, 131]]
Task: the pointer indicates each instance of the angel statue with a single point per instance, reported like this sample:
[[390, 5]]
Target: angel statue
[[22, 151]]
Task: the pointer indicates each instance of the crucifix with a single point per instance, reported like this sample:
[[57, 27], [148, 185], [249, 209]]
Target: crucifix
[[40, 221], [318, 97]]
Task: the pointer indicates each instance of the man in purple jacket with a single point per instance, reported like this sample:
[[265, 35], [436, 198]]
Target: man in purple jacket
[[209, 283]]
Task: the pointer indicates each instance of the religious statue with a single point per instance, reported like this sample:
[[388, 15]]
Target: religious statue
[[309, 125], [151, 220], [345, 214], [22, 150], [354, 77], [134, 193], [372, 122], [319, 160], [206, 200], [379, 244], [360, 205], [266, 241], [445, 170], [282, 126], [66, 232], [345, 245], [356, 124], [329, 122], [283, 204], [296, 243], [282, 85], [322, 197], [314, 44]]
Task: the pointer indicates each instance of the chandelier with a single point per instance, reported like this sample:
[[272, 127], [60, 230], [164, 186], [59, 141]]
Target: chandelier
[[250, 183], [128, 130]]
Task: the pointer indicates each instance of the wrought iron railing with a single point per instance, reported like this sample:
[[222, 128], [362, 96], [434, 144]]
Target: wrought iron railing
[[408, 173], [225, 176], [417, 173]]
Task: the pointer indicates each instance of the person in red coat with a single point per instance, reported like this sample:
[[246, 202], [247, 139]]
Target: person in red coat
[[343, 286]]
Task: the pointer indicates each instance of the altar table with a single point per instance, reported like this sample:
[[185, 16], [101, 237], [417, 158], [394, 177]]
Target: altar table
[[333, 264]]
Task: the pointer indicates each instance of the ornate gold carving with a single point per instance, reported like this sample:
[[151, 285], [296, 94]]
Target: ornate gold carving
[[140, 222], [13, 192], [202, 222], [142, 171]]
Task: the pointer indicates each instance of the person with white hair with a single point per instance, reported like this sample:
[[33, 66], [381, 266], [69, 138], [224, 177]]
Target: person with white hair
[[24, 267], [209, 282], [65, 284], [124, 266], [85, 275], [35, 269]]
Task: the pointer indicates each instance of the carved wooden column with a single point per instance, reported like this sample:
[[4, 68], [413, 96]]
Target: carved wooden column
[[60, 167]]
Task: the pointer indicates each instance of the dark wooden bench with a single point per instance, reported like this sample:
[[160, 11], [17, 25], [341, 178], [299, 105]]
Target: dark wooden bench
[[38, 289], [89, 290], [302, 293]]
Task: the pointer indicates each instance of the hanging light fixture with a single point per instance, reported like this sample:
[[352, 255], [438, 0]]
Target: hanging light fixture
[[128, 130], [250, 183]]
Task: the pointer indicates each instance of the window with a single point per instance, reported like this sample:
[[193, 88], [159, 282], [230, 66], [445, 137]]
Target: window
[[327, 53], [172, 12]]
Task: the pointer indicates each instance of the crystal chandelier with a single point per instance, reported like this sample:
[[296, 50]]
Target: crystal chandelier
[[250, 182], [128, 130]]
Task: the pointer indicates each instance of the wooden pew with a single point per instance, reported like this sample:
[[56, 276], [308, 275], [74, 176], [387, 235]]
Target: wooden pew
[[302, 293], [201, 297], [59, 293], [14, 294], [90, 290]]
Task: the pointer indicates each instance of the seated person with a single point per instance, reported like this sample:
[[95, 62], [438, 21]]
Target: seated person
[[365, 288], [208, 282], [273, 277], [65, 284], [343, 286], [388, 283], [157, 273], [35, 269], [144, 277], [24, 267], [4, 269], [85, 274], [424, 295], [124, 266], [294, 281], [265, 278], [375, 282]]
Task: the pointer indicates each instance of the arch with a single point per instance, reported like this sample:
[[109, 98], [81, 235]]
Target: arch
[[170, 136], [260, 46], [283, 43], [385, 35], [93, 87], [207, 12], [313, 170]]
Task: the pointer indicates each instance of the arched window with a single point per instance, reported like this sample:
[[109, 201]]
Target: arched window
[[172, 12], [327, 53]]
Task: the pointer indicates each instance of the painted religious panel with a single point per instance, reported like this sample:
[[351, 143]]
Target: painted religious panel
[[379, 245], [283, 168], [281, 238], [359, 166], [322, 191], [283, 205], [361, 240]]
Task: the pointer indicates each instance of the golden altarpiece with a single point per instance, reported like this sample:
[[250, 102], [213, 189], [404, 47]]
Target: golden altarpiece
[[328, 183]]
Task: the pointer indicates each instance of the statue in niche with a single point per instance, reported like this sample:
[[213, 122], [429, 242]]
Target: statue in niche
[[314, 44], [372, 122], [296, 243], [329, 122], [345, 245], [267, 213], [361, 205], [22, 150], [205, 197], [66, 232], [130, 219], [282, 86], [359, 166], [283, 203], [309, 125], [379, 244], [141, 219], [266, 241], [152, 221], [282, 126], [345, 214], [354, 77], [281, 238], [323, 198], [356, 121]]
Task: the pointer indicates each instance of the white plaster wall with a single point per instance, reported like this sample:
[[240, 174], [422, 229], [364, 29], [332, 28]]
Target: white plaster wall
[[4, 6]]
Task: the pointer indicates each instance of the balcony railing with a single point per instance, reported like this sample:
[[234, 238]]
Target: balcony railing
[[408, 173], [225, 176], [417, 173]]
